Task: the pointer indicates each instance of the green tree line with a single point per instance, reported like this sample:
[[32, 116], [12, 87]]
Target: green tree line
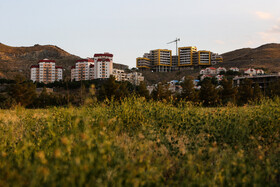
[[24, 93]]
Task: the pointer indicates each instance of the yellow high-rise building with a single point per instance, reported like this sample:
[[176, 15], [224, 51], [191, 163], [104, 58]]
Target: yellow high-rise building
[[187, 56]]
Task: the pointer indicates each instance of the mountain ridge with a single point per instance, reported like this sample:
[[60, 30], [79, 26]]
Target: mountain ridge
[[15, 60], [266, 56]]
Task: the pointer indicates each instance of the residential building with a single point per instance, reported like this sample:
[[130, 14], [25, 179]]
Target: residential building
[[221, 69], [187, 56], [216, 58], [46, 72], [100, 67], [82, 70], [262, 80], [161, 60], [103, 65], [204, 58], [135, 78], [143, 63], [252, 71], [209, 71], [234, 69], [119, 75]]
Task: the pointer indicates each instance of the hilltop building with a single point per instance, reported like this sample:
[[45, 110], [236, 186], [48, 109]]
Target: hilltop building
[[103, 65], [134, 78], [252, 71], [100, 67], [81, 71], [161, 60], [187, 56], [46, 71]]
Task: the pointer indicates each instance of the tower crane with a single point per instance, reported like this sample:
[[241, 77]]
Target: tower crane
[[175, 41]]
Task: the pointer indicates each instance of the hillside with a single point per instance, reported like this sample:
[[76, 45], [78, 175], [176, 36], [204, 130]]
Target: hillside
[[14, 60], [266, 56]]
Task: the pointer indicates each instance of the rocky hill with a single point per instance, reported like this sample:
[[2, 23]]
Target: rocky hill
[[14, 60], [266, 56]]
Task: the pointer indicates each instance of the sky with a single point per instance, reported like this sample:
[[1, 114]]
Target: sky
[[130, 28]]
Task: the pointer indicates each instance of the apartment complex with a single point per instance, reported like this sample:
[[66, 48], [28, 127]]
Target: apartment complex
[[204, 58], [100, 67], [134, 78], [46, 71], [162, 60], [159, 60], [103, 65], [82, 70], [187, 56]]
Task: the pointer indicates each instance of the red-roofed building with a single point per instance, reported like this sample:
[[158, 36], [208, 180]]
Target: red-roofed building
[[103, 65], [81, 71], [46, 71]]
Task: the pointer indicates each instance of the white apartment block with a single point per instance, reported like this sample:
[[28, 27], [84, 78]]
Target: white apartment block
[[100, 67], [81, 70], [135, 78], [46, 72], [103, 65], [119, 75]]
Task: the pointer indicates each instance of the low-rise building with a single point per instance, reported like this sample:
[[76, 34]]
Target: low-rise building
[[252, 71], [119, 75], [221, 69], [235, 69], [135, 78]]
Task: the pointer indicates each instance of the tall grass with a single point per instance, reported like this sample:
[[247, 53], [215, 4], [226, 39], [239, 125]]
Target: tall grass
[[141, 143]]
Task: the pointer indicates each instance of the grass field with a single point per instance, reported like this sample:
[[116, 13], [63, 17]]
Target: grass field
[[139, 143]]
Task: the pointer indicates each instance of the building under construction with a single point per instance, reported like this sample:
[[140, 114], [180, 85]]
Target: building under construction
[[161, 60]]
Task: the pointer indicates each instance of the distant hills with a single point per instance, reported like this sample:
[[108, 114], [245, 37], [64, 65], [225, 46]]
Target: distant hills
[[14, 60], [266, 56]]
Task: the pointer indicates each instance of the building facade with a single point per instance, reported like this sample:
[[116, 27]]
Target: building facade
[[187, 56], [46, 71], [161, 60], [158, 60], [100, 67], [103, 65], [81, 70]]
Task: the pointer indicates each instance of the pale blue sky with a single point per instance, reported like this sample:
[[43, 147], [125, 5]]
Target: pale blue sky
[[129, 28]]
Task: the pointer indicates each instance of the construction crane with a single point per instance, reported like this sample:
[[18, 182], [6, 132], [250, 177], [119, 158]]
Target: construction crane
[[175, 41]]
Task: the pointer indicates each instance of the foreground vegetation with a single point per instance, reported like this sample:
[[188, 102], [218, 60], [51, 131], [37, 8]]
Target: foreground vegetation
[[135, 142]]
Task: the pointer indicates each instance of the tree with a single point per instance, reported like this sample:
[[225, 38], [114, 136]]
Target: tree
[[122, 91], [245, 91], [108, 89], [161, 92], [257, 92], [228, 93], [208, 93], [24, 92], [142, 90], [273, 89], [188, 91]]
